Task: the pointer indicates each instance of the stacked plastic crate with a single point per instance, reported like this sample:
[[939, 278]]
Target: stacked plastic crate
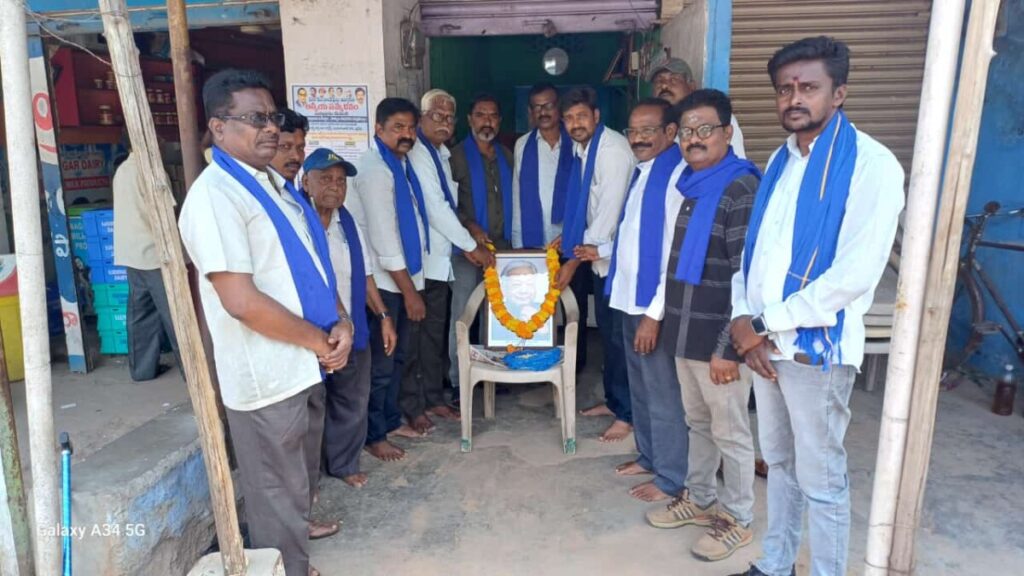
[[109, 282]]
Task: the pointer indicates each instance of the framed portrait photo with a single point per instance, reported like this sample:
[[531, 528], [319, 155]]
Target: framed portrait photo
[[523, 276]]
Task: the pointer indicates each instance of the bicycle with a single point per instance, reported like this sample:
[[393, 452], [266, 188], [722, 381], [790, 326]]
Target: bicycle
[[971, 278]]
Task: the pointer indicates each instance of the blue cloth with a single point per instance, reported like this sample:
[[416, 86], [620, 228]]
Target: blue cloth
[[530, 210], [706, 187], [355, 253], [478, 181], [407, 229], [437, 166], [319, 298], [578, 196], [820, 208], [652, 226]]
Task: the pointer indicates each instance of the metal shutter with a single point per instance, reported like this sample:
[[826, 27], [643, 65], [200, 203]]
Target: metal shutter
[[887, 41]]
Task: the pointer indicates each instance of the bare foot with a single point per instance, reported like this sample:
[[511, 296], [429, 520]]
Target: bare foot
[[313, 571], [598, 410], [422, 424], [631, 469], [407, 431], [647, 492], [385, 451], [357, 480], [445, 412], [617, 432], [318, 530]]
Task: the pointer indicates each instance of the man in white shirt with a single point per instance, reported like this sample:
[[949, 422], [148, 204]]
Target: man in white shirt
[[672, 80], [637, 292], [276, 321], [394, 215], [818, 241], [597, 190], [430, 159]]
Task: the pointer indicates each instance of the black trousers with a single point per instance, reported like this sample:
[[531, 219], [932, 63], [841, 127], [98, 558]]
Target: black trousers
[[345, 422], [424, 388], [149, 323]]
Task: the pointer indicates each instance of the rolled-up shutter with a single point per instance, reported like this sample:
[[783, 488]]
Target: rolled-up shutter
[[887, 43]]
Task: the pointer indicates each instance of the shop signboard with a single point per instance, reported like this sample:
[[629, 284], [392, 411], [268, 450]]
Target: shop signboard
[[87, 170], [339, 117]]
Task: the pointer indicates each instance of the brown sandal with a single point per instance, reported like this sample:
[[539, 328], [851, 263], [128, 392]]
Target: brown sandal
[[321, 530]]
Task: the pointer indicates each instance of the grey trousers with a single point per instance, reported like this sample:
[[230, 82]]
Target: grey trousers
[[426, 388], [149, 323], [278, 453], [659, 420], [719, 432], [348, 396], [467, 277]]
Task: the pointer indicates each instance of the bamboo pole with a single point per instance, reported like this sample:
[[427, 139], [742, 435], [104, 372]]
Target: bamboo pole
[[156, 193], [184, 91], [925, 178], [28, 241], [15, 542], [942, 272]]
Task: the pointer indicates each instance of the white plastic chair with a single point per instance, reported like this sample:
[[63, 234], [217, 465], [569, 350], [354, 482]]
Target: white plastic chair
[[562, 375]]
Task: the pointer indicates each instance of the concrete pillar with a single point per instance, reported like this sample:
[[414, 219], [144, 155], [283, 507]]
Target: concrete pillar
[[402, 82]]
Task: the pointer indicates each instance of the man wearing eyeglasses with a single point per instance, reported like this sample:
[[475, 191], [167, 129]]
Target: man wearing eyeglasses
[[277, 323], [291, 145], [430, 158], [672, 79]]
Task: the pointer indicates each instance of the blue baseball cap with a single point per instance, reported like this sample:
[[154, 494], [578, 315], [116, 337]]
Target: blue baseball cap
[[323, 158]]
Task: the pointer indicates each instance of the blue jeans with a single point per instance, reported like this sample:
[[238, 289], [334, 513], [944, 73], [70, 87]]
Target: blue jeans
[[616, 379], [802, 421], [386, 371]]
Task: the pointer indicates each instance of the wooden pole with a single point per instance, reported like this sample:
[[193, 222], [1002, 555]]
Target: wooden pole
[[15, 542], [184, 91], [942, 272], [156, 192], [28, 241], [925, 179]]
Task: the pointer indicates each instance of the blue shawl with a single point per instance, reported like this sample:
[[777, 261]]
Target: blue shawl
[[437, 166], [706, 187], [478, 181], [319, 299], [407, 229], [820, 208], [652, 227], [531, 216], [577, 196], [355, 254]]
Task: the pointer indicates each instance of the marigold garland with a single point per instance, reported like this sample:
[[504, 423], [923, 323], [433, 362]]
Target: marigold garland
[[525, 329]]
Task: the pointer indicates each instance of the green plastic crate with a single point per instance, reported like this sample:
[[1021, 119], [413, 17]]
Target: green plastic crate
[[106, 295], [113, 341], [111, 318]]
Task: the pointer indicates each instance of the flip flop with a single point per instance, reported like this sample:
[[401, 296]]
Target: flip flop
[[335, 527]]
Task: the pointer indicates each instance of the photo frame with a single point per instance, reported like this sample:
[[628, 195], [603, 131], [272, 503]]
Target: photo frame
[[524, 279]]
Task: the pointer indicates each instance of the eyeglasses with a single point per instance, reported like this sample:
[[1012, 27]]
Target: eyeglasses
[[645, 132], [669, 79], [257, 119], [703, 131], [545, 107], [441, 117]]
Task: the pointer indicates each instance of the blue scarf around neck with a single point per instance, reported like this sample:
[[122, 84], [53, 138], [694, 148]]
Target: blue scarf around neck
[[436, 157], [530, 210], [577, 195], [652, 227], [820, 208], [706, 187], [358, 304], [407, 228], [478, 181], [318, 297]]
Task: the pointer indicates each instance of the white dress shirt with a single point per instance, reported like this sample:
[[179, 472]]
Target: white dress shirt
[[547, 168], [737, 138], [627, 261], [375, 207], [445, 228], [341, 259], [865, 240], [225, 229], [612, 170], [134, 244]]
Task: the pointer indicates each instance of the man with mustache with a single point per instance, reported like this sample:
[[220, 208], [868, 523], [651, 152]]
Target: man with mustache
[[602, 164], [390, 203], [819, 238], [482, 167], [430, 158], [717, 193], [672, 80], [291, 145], [269, 292]]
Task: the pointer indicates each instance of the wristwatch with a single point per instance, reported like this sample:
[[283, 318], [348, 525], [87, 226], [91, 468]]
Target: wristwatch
[[345, 318], [383, 316], [760, 328]]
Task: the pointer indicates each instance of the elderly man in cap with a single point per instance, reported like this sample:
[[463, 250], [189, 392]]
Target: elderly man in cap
[[672, 79]]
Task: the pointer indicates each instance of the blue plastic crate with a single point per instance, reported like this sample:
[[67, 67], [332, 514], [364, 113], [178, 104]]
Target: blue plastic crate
[[114, 342], [107, 295], [80, 248], [111, 318], [99, 223], [105, 272]]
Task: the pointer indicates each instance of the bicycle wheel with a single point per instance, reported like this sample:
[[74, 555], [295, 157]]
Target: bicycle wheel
[[968, 293]]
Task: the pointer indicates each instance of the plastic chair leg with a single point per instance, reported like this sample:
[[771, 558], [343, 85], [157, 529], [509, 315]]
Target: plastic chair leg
[[489, 400], [466, 407], [557, 399]]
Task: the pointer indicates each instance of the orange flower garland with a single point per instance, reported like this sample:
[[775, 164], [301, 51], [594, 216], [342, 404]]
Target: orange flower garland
[[525, 329]]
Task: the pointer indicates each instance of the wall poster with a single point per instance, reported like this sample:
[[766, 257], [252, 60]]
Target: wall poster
[[339, 117]]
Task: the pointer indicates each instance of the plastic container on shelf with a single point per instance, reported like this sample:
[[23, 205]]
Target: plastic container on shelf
[[114, 342], [111, 318], [8, 275], [110, 294], [10, 325]]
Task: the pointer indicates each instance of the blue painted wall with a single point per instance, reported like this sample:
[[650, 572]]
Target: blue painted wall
[[998, 176]]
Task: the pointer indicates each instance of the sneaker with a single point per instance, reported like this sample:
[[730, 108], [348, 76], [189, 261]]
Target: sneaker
[[681, 511], [726, 535]]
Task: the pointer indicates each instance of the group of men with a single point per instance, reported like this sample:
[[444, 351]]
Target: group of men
[[328, 306]]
